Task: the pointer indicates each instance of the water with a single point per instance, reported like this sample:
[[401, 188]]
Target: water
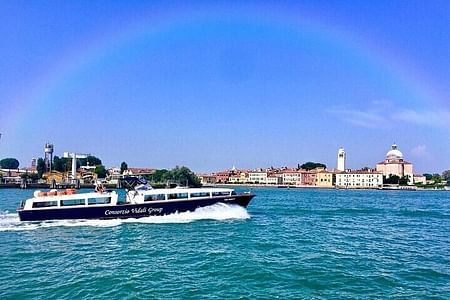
[[288, 244]]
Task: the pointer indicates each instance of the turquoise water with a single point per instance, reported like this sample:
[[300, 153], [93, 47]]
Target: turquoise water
[[288, 244]]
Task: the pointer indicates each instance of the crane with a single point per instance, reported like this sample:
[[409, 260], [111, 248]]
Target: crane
[[74, 156]]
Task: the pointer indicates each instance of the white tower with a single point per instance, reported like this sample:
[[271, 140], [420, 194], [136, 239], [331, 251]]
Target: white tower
[[48, 157], [74, 157], [341, 160]]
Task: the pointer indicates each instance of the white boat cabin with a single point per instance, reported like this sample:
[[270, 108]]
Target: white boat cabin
[[143, 194], [54, 199]]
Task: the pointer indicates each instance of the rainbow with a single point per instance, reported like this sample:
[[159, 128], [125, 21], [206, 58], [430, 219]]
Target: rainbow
[[155, 28]]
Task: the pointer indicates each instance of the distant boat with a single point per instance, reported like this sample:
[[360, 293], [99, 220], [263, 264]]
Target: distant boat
[[141, 201]]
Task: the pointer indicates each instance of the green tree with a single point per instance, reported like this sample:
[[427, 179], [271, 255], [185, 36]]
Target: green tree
[[428, 176], [61, 164], [446, 175], [393, 179], [123, 167], [9, 163], [160, 176], [92, 160], [180, 175], [34, 177], [100, 171], [40, 167], [184, 175], [312, 165], [403, 180], [436, 178]]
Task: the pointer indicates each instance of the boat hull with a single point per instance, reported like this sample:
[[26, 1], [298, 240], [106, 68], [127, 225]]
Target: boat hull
[[121, 211]]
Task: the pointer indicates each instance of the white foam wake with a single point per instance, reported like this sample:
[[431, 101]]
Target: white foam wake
[[218, 211]]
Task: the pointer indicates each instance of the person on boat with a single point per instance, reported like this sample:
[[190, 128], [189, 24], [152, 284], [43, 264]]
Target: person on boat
[[99, 187]]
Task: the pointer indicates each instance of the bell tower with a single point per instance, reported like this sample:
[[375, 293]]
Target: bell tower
[[341, 160]]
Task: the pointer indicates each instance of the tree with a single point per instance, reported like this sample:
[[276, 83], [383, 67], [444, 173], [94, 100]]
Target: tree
[[392, 179], [40, 167], [100, 171], [34, 177], [185, 176], [436, 178], [60, 164], [123, 167], [92, 160], [428, 176], [160, 176], [403, 180], [180, 175], [9, 163], [312, 165], [446, 175]]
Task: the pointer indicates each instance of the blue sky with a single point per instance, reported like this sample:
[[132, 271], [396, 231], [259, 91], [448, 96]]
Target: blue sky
[[212, 85]]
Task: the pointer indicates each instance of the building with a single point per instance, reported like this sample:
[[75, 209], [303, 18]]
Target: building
[[420, 179], [257, 177], [207, 179], [341, 160], [363, 179], [222, 177], [138, 171], [395, 165], [291, 176], [325, 179], [308, 178], [274, 179]]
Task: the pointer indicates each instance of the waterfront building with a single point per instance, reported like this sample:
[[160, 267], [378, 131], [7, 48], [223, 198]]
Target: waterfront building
[[138, 171], [257, 177], [367, 179], [234, 179], [418, 178], [325, 179], [222, 177], [341, 160], [243, 176], [207, 179], [291, 176], [274, 179], [394, 164], [308, 178]]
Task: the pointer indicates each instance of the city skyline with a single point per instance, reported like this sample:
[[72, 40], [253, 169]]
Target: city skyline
[[210, 86]]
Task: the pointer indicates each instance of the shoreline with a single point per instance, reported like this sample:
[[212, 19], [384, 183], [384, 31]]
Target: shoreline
[[243, 185], [400, 188]]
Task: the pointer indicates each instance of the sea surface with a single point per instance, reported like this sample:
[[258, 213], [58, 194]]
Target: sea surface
[[288, 244]]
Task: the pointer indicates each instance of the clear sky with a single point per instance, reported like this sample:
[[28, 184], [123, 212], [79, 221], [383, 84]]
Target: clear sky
[[212, 85]]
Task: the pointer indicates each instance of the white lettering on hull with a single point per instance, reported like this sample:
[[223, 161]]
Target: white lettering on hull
[[138, 210]]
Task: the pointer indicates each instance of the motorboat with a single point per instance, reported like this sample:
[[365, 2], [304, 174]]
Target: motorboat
[[139, 201]]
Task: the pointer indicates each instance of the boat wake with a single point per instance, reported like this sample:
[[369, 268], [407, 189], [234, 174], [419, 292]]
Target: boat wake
[[219, 211]]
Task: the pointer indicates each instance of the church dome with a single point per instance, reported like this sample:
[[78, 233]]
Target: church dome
[[394, 153]]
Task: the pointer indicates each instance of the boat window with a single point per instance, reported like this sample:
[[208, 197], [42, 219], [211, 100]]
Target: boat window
[[45, 204], [221, 193], [72, 202], [102, 200], [155, 197], [200, 194], [177, 196], [233, 193]]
